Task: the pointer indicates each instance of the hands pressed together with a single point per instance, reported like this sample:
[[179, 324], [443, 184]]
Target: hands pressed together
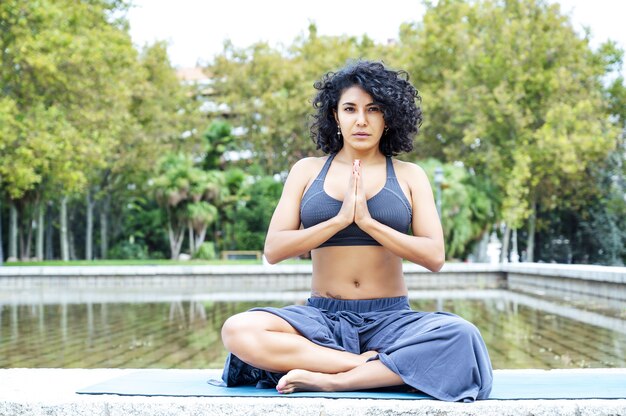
[[354, 208]]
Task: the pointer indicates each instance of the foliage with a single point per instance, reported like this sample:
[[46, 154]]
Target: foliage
[[594, 232], [519, 109], [513, 92], [162, 118], [468, 209], [206, 251], [143, 220], [268, 91], [68, 72], [85, 113], [188, 195], [129, 249], [218, 139], [252, 217]]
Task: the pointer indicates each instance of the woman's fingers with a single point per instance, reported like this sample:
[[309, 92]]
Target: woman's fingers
[[356, 167], [347, 208], [354, 208], [360, 210]]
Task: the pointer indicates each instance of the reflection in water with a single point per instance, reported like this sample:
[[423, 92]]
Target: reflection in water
[[42, 326], [14, 325], [521, 331], [64, 321], [197, 312]]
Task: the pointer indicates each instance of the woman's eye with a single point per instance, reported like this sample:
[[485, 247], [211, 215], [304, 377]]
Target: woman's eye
[[374, 109], [348, 109]]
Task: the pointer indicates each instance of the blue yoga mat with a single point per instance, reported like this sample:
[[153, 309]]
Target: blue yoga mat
[[506, 386]]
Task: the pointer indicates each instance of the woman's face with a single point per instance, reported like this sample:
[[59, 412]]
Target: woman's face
[[360, 119]]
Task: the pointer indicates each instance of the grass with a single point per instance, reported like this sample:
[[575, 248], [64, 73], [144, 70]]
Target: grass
[[148, 262]]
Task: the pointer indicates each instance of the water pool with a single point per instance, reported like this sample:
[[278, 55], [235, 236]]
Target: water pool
[[168, 330]]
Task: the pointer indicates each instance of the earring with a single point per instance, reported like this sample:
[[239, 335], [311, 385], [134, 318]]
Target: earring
[[386, 129], [338, 131]]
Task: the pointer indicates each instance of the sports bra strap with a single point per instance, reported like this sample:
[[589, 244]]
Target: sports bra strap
[[390, 172], [322, 175]]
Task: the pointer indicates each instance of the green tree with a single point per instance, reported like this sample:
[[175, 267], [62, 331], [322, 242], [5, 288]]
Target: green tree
[[591, 231], [67, 66], [188, 195], [468, 209], [252, 217], [236, 181], [515, 94], [218, 139], [268, 91], [162, 118]]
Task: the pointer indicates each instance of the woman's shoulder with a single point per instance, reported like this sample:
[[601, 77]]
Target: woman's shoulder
[[306, 168], [309, 164], [408, 170], [414, 178]]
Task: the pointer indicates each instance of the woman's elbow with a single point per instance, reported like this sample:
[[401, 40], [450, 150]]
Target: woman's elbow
[[437, 261], [270, 258], [270, 253], [435, 267]]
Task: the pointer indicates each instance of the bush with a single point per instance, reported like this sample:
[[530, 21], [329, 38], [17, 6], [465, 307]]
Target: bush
[[252, 219], [128, 249], [206, 251]]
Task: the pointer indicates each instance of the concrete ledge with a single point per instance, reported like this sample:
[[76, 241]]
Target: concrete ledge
[[609, 282], [606, 282], [550, 279], [200, 270], [51, 392], [225, 277], [578, 271], [571, 271]]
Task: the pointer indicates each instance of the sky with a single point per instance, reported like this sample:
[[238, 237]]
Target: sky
[[196, 29]]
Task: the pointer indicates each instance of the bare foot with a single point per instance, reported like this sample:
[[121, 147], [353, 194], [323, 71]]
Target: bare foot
[[303, 380]]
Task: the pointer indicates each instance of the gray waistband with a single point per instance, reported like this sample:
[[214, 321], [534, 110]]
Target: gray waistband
[[359, 305]]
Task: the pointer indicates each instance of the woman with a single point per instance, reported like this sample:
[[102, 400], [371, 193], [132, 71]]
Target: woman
[[353, 209]]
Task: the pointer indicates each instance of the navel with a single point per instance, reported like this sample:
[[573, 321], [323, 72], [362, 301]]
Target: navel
[[356, 283]]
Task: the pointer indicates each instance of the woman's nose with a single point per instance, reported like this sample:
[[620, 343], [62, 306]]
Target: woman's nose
[[361, 118]]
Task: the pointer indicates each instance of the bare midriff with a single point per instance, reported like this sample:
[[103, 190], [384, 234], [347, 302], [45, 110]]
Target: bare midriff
[[356, 272]]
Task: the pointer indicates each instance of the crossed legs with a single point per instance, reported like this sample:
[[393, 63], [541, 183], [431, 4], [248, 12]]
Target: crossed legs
[[268, 342]]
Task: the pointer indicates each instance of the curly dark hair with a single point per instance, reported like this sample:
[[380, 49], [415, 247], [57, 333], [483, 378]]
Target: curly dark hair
[[390, 90]]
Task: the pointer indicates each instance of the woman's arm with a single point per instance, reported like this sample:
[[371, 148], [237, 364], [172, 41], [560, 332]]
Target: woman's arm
[[284, 237], [425, 247]]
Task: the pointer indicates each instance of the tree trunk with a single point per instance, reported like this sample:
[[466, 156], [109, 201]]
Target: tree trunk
[[71, 219], [40, 231], [49, 230], [530, 244], [104, 227], [504, 255], [200, 238], [192, 249], [176, 236], [176, 241], [26, 233], [13, 232], [479, 253], [89, 230], [65, 252], [20, 238], [71, 242], [1, 250], [514, 251]]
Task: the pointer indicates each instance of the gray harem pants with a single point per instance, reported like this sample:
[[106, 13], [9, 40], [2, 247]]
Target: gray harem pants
[[437, 353]]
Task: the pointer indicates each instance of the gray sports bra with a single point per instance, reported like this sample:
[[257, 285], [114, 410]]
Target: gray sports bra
[[389, 206]]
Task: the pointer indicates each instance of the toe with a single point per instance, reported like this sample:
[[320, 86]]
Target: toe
[[283, 385]]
